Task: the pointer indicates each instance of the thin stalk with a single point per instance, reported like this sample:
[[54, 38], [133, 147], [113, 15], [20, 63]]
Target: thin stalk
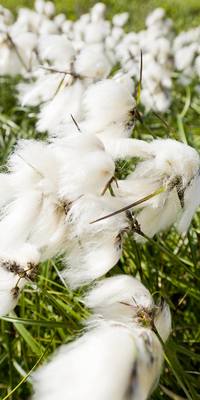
[[136, 203]]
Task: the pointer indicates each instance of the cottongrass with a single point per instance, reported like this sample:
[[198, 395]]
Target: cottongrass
[[119, 343], [183, 193]]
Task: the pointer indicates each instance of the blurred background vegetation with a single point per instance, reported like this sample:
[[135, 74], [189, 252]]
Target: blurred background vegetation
[[185, 13]]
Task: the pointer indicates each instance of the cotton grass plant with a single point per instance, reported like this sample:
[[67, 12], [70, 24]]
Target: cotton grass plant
[[49, 313]]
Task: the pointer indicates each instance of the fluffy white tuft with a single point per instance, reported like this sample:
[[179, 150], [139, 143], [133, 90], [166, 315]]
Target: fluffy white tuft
[[93, 249], [111, 297], [67, 102], [86, 166], [107, 103], [110, 348], [12, 262], [173, 167], [123, 298]]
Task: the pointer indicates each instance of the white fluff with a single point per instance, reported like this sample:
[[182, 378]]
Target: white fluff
[[93, 249], [42, 90], [120, 19], [6, 192], [111, 296], [122, 148], [86, 166], [153, 220], [110, 349], [17, 52], [96, 32], [94, 45], [34, 208], [52, 47], [6, 17], [156, 16], [173, 166], [15, 259], [67, 102], [123, 298], [93, 62], [108, 104], [106, 352], [192, 202], [43, 180]]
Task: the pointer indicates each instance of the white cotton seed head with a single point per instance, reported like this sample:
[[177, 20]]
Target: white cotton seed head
[[20, 213], [97, 245], [42, 90], [191, 203], [67, 102], [90, 207], [98, 10], [92, 62], [120, 19], [95, 32], [39, 6], [124, 148], [157, 15], [133, 188], [56, 49], [175, 158], [8, 298], [173, 166], [107, 102], [109, 350], [150, 358], [117, 33], [6, 190], [33, 165], [9, 62], [12, 259], [156, 219], [168, 159], [110, 296], [161, 102], [92, 176], [126, 80], [88, 260], [97, 358], [123, 298], [23, 255], [184, 57], [67, 27], [163, 321], [73, 140], [60, 19], [35, 208], [49, 231], [86, 167], [49, 9], [6, 17], [47, 27]]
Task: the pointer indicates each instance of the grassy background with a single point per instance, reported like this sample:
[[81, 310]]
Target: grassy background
[[48, 313], [185, 13]]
